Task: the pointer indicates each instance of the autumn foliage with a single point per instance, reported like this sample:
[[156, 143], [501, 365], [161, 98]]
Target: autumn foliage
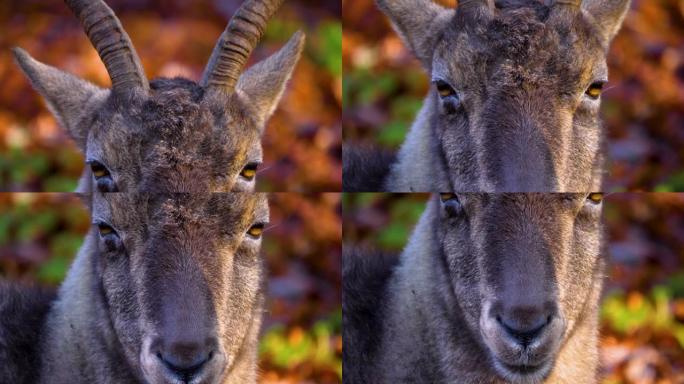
[[173, 38]]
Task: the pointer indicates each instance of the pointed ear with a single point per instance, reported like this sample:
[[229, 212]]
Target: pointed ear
[[418, 22], [609, 15], [264, 83], [68, 97]]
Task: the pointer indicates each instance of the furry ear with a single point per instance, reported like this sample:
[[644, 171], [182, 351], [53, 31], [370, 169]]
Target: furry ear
[[609, 15], [264, 83], [418, 23], [68, 97]]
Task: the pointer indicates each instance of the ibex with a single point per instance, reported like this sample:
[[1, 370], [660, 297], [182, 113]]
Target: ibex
[[169, 135], [514, 105], [491, 289], [166, 289]]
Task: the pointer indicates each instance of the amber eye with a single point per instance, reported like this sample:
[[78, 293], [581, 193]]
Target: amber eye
[[595, 198], [444, 89], [256, 231], [595, 90], [104, 229], [447, 196], [99, 170], [249, 171]]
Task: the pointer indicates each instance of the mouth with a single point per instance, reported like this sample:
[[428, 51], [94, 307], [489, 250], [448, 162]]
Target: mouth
[[523, 373], [523, 370]]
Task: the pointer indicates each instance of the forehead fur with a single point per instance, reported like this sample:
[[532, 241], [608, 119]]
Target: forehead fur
[[521, 44], [180, 130], [146, 214]]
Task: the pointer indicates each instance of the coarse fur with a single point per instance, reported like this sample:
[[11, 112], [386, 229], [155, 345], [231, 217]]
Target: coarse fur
[[366, 274], [471, 276], [23, 310], [173, 135], [365, 169], [509, 109], [181, 280]]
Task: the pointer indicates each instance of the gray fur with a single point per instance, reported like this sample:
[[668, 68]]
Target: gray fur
[[176, 136], [23, 310], [186, 268], [520, 71], [433, 320]]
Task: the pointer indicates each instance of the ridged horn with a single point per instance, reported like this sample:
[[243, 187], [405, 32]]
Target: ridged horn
[[112, 44], [237, 42], [570, 3]]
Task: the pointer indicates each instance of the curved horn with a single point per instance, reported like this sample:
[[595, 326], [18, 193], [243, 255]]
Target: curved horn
[[237, 42], [571, 3], [112, 44]]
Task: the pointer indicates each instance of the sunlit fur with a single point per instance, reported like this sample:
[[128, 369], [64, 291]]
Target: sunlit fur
[[179, 137], [430, 320]]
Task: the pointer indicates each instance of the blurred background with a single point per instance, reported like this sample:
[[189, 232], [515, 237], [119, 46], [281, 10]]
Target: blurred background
[[173, 37], [643, 107], [642, 335], [40, 234]]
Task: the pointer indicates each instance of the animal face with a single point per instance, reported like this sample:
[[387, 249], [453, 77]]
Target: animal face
[[522, 268], [170, 135], [516, 90], [182, 279], [178, 139]]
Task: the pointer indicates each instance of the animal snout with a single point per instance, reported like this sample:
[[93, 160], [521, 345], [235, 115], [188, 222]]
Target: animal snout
[[186, 360], [525, 324], [182, 357], [523, 333]]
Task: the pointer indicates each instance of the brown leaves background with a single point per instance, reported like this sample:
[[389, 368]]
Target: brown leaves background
[[302, 140]]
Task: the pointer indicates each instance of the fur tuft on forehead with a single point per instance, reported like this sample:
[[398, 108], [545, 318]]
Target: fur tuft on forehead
[[539, 10], [187, 133]]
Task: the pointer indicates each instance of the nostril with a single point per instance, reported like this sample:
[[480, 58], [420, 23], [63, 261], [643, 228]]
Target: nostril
[[524, 332], [183, 367]]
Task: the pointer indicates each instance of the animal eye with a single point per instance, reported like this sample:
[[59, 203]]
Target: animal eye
[[99, 170], [104, 229], [595, 198], [595, 90], [103, 178], [249, 171], [451, 204], [256, 231], [110, 239], [444, 89]]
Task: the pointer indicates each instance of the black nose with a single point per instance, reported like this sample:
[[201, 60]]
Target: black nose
[[525, 324], [185, 360]]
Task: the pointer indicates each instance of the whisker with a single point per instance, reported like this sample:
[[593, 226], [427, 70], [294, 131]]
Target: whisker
[[263, 169], [611, 87], [272, 226]]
